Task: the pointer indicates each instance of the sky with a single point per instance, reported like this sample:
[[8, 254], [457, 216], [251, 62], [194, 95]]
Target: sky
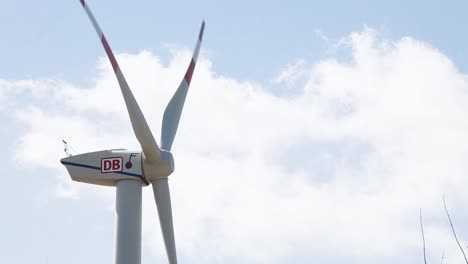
[[313, 132]]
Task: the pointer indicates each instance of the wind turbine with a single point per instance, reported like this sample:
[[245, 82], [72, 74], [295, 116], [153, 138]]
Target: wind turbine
[[130, 170]]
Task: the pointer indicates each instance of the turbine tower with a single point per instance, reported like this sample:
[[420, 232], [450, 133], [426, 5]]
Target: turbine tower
[[128, 171]]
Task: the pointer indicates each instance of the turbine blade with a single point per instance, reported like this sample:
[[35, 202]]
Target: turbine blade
[[163, 203], [173, 110], [140, 127]]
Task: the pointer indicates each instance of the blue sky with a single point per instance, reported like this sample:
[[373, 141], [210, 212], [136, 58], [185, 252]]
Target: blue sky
[[48, 35], [313, 131]]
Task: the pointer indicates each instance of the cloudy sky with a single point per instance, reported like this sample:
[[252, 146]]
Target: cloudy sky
[[313, 132]]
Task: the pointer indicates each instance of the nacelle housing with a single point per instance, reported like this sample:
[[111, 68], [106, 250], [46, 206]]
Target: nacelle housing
[[105, 167]]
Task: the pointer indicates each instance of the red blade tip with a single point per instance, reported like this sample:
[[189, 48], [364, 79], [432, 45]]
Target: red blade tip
[[200, 36]]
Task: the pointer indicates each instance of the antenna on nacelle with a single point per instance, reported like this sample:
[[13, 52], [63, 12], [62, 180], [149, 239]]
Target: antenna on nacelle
[[67, 148]]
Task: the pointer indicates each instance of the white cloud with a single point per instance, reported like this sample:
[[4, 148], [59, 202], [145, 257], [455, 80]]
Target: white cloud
[[291, 73], [340, 169]]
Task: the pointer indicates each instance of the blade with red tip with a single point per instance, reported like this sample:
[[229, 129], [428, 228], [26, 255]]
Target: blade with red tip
[[173, 110], [140, 127]]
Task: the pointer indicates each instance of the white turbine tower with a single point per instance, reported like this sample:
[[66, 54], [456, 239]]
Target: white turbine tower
[[130, 170]]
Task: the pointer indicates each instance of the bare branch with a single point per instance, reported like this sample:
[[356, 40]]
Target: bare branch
[[442, 259], [422, 233], [453, 230]]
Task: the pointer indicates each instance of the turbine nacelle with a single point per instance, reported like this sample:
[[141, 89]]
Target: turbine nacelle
[[107, 167]]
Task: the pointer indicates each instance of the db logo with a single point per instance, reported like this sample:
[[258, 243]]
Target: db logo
[[111, 165]]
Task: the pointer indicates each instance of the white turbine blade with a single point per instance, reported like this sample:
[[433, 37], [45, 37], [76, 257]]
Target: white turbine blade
[[163, 203], [173, 110], [140, 127]]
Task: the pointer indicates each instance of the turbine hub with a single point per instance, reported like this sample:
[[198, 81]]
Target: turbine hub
[[162, 168]]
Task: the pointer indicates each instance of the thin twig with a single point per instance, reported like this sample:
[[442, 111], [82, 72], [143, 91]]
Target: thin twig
[[442, 260], [422, 233], [453, 230]]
